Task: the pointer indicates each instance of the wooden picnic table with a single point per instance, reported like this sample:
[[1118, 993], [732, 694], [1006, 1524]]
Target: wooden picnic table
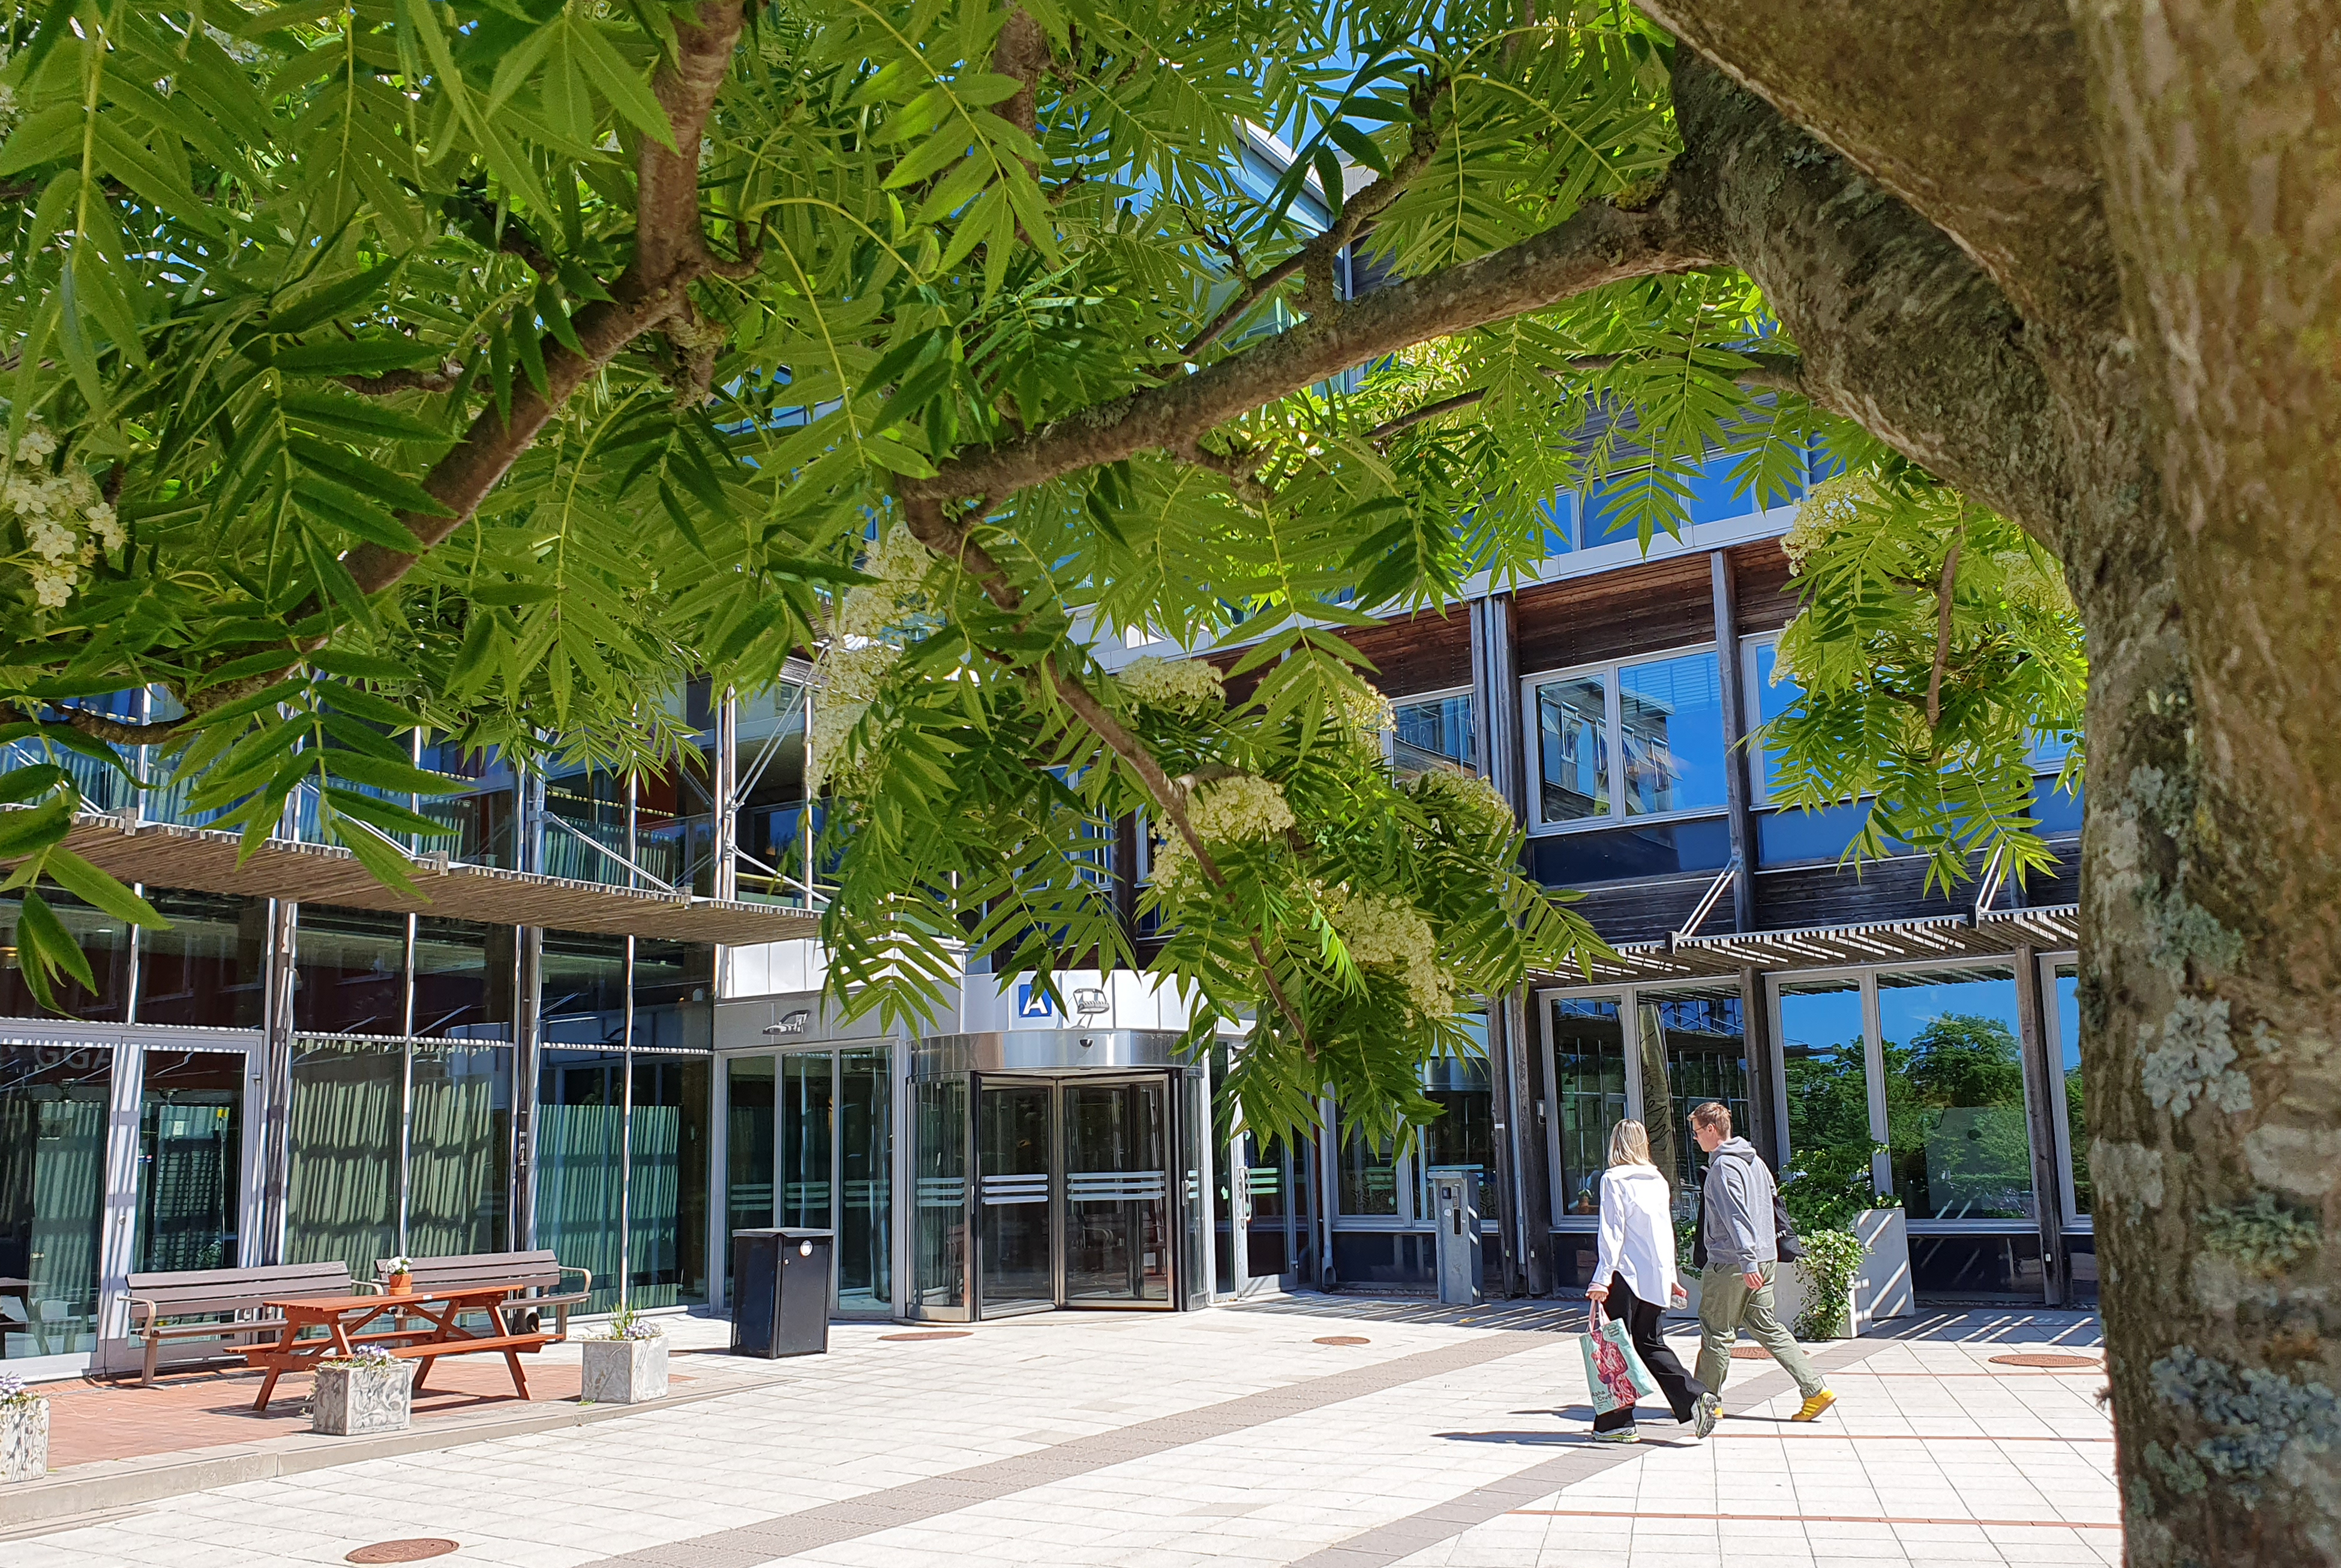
[[345, 1318]]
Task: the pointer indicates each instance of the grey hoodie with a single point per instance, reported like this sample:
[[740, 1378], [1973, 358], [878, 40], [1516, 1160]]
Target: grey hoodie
[[1738, 1226]]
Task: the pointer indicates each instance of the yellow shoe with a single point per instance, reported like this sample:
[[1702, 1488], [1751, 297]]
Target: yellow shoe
[[1815, 1405]]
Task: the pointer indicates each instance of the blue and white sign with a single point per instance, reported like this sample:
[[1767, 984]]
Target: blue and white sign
[[1032, 1001]]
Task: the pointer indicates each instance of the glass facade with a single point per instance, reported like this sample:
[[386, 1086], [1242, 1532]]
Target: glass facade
[[1694, 1049], [1434, 732], [1588, 1038], [1954, 1077], [53, 1116], [190, 1161], [2068, 1014], [104, 942], [342, 1189], [1573, 749], [1671, 735], [667, 1178], [939, 1242], [1825, 1071], [580, 1165], [209, 967], [459, 1159]]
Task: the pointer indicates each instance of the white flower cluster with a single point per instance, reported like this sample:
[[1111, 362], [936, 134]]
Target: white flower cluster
[[1367, 715], [901, 564], [1190, 686], [1390, 933], [850, 676], [1831, 506], [1468, 800], [1242, 809], [1239, 809], [53, 510]]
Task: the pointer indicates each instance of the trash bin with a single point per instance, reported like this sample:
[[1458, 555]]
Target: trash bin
[[780, 1292]]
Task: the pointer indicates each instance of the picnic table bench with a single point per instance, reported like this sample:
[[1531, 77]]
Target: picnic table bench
[[345, 1320], [539, 1282], [233, 1301]]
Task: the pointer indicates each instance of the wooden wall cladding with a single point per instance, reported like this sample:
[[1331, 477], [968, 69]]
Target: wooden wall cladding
[[1835, 896], [1424, 652], [1768, 595], [1644, 609], [1646, 911]]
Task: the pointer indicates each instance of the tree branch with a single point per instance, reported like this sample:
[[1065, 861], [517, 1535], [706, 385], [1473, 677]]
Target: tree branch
[[952, 539], [389, 382], [1021, 51], [1942, 634], [1319, 255], [1598, 244], [1784, 372]]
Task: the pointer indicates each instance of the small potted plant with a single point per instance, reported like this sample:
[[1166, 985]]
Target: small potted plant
[[398, 1275], [23, 1431], [368, 1391], [626, 1362]]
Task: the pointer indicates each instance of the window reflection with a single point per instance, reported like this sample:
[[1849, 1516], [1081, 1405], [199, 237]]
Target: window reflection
[[1825, 1059], [1573, 748], [1955, 1094], [1588, 1092], [1436, 732], [1671, 735], [1694, 1049], [2076, 1121], [1369, 1173]]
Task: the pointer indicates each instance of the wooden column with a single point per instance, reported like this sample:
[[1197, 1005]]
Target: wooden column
[[1735, 732], [2040, 1115]]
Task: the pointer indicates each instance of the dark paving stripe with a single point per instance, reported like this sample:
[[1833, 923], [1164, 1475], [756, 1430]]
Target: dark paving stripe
[[1824, 1519], [914, 1500], [1385, 1544]]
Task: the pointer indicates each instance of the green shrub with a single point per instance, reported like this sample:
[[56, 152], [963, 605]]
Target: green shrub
[[1832, 1259], [1825, 1187]]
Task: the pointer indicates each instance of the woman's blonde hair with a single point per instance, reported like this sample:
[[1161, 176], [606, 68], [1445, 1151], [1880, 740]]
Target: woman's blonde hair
[[1629, 1143]]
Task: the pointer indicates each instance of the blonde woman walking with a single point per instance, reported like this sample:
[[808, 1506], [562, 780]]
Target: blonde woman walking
[[1634, 1279]]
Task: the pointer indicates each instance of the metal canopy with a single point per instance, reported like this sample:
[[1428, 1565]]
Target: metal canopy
[[204, 859], [1996, 931]]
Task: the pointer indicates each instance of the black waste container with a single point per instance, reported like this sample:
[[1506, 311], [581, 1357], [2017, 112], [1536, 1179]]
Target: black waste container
[[780, 1292]]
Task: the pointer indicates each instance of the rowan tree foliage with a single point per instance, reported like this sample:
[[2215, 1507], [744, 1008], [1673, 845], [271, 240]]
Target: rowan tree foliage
[[487, 365]]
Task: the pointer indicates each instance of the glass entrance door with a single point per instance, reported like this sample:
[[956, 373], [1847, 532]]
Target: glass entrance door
[[1016, 1264], [1117, 1213]]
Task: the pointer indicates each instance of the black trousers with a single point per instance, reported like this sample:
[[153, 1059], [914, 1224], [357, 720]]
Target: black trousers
[[1682, 1390]]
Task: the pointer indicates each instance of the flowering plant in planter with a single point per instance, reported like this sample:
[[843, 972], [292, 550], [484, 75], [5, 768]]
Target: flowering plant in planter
[[400, 1272], [626, 1323], [625, 1364], [364, 1358]]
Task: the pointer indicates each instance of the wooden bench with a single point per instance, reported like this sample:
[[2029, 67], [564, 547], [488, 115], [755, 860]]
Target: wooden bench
[[238, 1292], [543, 1279]]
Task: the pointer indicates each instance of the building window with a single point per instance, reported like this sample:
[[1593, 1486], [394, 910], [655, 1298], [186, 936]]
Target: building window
[[1825, 1070], [2066, 1016], [1587, 1036], [209, 967], [342, 1197], [1369, 1175], [53, 1116], [1661, 720], [1434, 731], [1954, 1077], [1694, 1049]]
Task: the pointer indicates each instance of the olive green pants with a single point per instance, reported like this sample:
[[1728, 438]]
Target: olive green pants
[[1726, 1306]]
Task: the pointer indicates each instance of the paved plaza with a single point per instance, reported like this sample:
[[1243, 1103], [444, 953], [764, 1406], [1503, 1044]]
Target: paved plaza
[[1318, 1431]]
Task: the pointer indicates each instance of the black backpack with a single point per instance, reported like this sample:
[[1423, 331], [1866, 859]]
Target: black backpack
[[1784, 1233]]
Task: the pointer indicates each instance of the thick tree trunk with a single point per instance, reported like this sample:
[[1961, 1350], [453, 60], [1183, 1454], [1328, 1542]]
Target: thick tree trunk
[[2182, 454], [2214, 854]]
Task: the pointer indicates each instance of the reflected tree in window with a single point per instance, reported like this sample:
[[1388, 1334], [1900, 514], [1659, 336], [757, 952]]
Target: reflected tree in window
[[1955, 1120]]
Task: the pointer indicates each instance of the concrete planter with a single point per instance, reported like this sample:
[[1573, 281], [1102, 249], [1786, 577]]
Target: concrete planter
[[23, 1440], [1882, 1289], [624, 1371], [355, 1400]]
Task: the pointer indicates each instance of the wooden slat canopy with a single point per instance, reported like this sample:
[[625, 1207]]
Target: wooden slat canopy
[[204, 859], [1996, 931]]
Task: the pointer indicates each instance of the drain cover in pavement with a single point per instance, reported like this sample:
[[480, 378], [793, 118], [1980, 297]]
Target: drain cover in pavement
[[414, 1551], [2036, 1359], [930, 1333], [1751, 1353], [1345, 1339]]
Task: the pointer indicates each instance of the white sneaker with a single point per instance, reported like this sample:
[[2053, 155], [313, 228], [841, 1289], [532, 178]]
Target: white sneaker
[[1704, 1417], [1621, 1434]]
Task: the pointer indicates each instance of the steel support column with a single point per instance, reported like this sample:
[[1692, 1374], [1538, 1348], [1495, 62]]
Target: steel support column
[[1735, 732], [2040, 1117]]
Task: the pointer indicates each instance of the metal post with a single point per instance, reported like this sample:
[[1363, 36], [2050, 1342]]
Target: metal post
[[1735, 731], [527, 1029], [724, 788], [276, 1024], [1763, 1112], [2040, 1117]]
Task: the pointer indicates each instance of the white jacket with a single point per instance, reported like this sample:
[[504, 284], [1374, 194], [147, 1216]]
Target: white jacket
[[1638, 1233]]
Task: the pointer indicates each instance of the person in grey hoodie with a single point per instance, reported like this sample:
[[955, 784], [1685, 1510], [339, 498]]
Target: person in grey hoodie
[[1739, 1233]]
